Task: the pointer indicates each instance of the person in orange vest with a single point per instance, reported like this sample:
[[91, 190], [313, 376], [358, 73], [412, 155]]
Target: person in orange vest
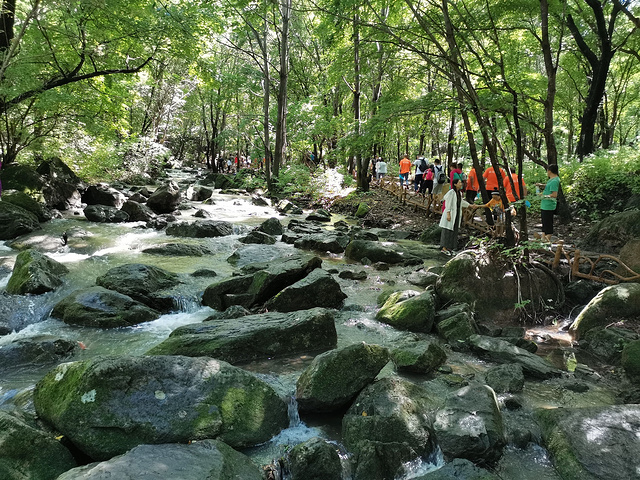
[[472, 186], [509, 191], [491, 178], [405, 168]]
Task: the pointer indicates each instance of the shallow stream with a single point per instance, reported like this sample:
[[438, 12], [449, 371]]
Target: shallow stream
[[93, 248]]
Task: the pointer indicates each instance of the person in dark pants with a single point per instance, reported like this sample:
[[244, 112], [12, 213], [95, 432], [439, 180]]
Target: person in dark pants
[[549, 202]]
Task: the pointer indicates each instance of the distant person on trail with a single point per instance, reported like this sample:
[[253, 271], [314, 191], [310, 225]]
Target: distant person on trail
[[456, 172], [549, 203], [381, 168], [427, 181], [405, 168], [451, 217], [421, 167], [491, 178], [439, 176], [511, 195], [472, 186]]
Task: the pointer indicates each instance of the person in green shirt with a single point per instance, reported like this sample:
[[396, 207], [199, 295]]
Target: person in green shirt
[[549, 202]]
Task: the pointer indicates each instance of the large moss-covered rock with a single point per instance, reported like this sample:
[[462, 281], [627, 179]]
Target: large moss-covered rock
[[418, 356], [409, 310], [101, 308], [29, 453], [105, 214], [318, 289], [35, 352], [470, 426], [322, 242], [108, 405], [271, 226], [494, 287], [200, 229], [611, 233], [258, 237], [16, 221], [315, 459], [505, 378], [593, 443], [631, 361], [456, 323], [389, 423], [376, 252], [145, 283], [27, 202], [254, 337], [207, 459], [334, 378], [35, 273], [617, 303]]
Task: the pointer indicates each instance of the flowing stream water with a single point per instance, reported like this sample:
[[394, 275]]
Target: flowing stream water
[[94, 248]]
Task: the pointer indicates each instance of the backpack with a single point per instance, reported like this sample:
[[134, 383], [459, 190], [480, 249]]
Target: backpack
[[423, 165], [429, 174], [440, 175], [463, 177]]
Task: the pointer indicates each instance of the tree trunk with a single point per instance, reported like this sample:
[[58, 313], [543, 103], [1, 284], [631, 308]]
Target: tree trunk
[[7, 19], [281, 122]]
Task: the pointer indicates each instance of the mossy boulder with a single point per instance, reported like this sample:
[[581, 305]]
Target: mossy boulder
[[271, 226], [507, 378], [200, 229], [36, 352], [613, 232], [27, 202], [165, 199], [456, 323], [334, 378], [258, 237], [376, 252], [418, 356], [101, 308], [27, 452], [16, 221], [105, 214], [617, 303], [462, 469], [210, 459], [495, 286], [362, 210], [144, 283], [254, 337], [592, 443], [315, 459], [318, 289], [608, 343], [409, 310], [35, 273], [108, 405], [631, 361]]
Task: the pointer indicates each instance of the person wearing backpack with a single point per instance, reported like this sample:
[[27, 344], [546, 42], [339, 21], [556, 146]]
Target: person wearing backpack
[[439, 176], [421, 167], [427, 181]]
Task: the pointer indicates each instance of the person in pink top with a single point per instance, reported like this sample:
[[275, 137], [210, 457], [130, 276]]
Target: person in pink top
[[457, 169]]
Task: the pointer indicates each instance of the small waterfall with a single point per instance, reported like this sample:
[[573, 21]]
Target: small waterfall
[[186, 304], [294, 414]]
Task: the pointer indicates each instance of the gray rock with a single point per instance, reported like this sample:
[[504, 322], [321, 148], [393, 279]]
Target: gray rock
[[418, 356], [323, 242], [250, 255], [470, 426], [165, 199], [376, 252], [201, 229], [259, 201], [353, 275], [204, 272], [382, 460], [254, 337], [178, 250], [108, 405], [137, 211], [234, 311], [16, 221], [104, 214], [27, 202], [317, 289], [101, 308], [315, 459], [199, 193], [271, 226], [409, 310], [207, 459], [304, 227], [26, 452], [501, 351], [200, 213], [258, 237], [613, 304], [35, 273], [593, 443], [334, 378], [103, 195], [613, 232], [145, 283], [456, 323], [285, 206], [319, 215], [459, 468], [505, 378], [38, 351], [422, 278]]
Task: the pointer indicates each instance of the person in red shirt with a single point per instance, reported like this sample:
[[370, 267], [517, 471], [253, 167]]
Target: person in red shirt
[[472, 186], [491, 178], [509, 191], [457, 169], [405, 168]]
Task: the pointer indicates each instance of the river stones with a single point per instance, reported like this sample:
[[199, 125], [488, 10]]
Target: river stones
[[143, 283], [593, 443], [494, 288], [409, 310], [16, 221], [254, 337], [456, 323], [319, 215], [459, 468], [387, 425], [101, 308], [36, 351], [504, 352], [318, 289], [315, 459], [137, 211], [259, 238], [35, 273], [418, 356], [507, 378], [104, 214], [200, 229], [165, 199], [27, 452], [617, 303], [271, 226], [376, 252], [103, 195], [178, 250], [322, 242], [210, 459], [108, 405], [27, 202], [334, 378]]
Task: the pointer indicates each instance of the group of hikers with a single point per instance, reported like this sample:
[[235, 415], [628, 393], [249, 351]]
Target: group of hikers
[[461, 190]]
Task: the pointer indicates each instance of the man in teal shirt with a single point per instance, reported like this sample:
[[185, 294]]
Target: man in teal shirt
[[549, 202]]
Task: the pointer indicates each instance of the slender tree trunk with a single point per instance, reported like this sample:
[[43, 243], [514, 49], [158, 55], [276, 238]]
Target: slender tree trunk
[[265, 104], [281, 123], [7, 19]]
